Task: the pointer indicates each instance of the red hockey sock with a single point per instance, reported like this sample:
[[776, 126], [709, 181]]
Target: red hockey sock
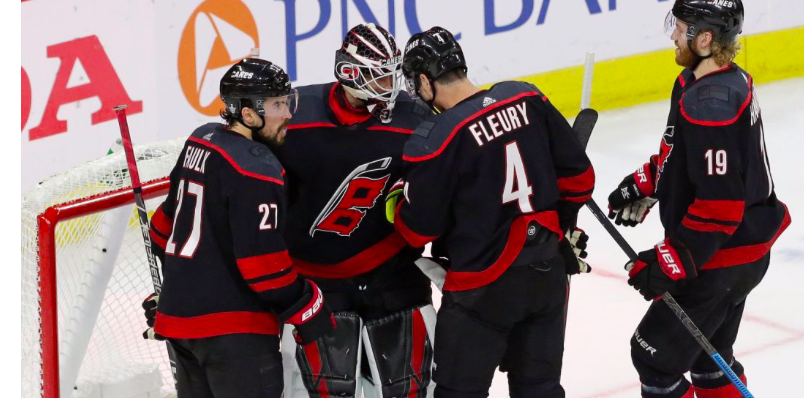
[[728, 391]]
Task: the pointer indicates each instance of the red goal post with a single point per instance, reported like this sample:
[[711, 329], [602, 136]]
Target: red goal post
[[84, 274]]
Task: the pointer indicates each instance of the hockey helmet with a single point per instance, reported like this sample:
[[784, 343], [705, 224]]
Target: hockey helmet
[[432, 53], [723, 17], [251, 81], [368, 55]]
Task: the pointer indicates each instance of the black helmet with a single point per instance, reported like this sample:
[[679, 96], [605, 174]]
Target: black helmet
[[249, 82], [723, 17], [432, 53]]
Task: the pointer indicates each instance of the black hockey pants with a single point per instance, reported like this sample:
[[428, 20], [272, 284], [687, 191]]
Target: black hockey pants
[[662, 349], [516, 323], [230, 366]]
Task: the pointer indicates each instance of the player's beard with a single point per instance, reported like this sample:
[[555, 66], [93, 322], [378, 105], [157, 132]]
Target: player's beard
[[276, 139], [686, 58]]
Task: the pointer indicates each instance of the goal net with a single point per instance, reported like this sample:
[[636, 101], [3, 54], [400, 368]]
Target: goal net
[[84, 276]]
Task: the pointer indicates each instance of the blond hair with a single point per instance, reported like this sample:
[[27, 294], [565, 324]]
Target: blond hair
[[724, 53]]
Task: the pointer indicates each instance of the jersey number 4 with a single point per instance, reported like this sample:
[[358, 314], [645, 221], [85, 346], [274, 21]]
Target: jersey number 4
[[516, 187]]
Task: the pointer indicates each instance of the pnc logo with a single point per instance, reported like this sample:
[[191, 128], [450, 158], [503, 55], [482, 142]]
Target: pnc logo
[[218, 34]]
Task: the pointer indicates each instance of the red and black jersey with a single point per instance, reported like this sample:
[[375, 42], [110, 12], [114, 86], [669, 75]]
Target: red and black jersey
[[480, 172], [340, 161], [713, 181], [226, 268]]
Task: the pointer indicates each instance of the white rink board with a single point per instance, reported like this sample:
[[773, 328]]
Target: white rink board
[[142, 40]]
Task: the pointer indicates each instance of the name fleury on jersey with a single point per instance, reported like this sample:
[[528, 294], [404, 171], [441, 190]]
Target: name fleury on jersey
[[505, 120]]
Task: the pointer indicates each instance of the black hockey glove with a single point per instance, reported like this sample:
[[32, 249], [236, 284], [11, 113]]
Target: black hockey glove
[[149, 305], [631, 202], [658, 269], [311, 317], [573, 250], [395, 193]]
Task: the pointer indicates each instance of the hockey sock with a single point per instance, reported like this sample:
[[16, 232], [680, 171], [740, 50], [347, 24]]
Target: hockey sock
[[727, 391]]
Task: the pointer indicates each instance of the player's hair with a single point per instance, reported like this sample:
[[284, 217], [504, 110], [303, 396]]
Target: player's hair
[[723, 53], [229, 118], [452, 76]]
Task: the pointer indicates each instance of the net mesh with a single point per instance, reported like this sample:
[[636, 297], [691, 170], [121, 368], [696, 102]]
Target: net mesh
[[102, 276]]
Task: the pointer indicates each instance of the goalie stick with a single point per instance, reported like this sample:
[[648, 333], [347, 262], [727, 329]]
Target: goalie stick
[[136, 186], [583, 138]]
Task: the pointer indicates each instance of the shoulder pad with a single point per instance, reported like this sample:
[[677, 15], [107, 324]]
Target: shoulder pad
[[433, 135], [685, 77], [417, 107], [718, 99], [248, 157], [312, 104]]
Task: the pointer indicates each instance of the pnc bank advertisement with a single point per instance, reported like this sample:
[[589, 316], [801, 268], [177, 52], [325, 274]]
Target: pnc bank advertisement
[[164, 59]]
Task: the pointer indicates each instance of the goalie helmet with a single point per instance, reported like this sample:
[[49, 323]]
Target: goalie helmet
[[432, 53], [251, 81], [368, 64], [723, 17]]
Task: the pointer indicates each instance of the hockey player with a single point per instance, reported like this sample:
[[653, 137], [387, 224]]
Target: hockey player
[[227, 271], [716, 202], [342, 154], [495, 180]]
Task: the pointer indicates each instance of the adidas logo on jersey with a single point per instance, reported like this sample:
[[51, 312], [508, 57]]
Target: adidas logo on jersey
[[488, 101]]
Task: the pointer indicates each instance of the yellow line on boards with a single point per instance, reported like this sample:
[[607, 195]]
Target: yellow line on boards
[[647, 77]]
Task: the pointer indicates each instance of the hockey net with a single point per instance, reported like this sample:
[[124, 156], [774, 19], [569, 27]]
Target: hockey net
[[84, 276]]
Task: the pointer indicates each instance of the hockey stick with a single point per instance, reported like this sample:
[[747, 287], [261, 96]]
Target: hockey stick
[[143, 216], [671, 302]]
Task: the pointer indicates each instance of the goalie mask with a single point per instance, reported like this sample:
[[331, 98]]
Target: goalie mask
[[368, 66]]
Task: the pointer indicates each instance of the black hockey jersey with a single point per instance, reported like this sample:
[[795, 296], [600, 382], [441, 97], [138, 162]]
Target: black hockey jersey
[[225, 265], [340, 161], [479, 173], [713, 181]]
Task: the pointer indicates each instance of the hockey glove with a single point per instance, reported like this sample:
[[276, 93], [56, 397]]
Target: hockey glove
[[149, 305], [658, 269], [311, 317], [631, 202], [395, 193], [573, 250]]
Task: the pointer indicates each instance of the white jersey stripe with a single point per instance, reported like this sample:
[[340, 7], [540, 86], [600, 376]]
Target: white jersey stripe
[[382, 39], [375, 49]]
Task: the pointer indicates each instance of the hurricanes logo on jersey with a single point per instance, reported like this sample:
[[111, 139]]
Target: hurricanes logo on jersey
[[356, 194], [665, 149]]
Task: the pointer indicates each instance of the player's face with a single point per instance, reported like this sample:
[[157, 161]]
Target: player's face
[[278, 112], [684, 56]]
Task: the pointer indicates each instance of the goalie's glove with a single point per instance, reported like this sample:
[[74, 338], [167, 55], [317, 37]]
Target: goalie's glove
[[657, 270], [395, 193], [149, 305], [631, 202], [573, 250], [310, 316]]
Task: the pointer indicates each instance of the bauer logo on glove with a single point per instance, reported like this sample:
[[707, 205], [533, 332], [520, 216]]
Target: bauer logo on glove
[[657, 270]]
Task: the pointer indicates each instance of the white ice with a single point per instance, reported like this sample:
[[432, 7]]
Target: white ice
[[604, 310]]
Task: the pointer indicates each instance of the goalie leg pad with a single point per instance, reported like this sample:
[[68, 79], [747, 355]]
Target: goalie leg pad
[[399, 350], [327, 367]]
